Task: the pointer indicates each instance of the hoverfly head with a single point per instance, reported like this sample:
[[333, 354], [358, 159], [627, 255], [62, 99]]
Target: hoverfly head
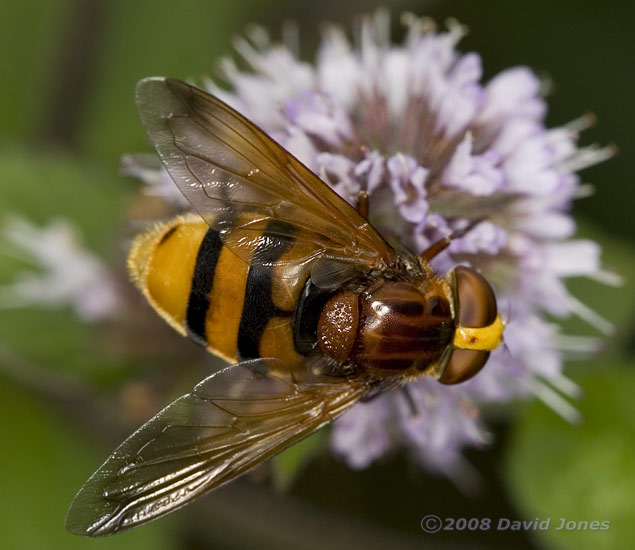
[[479, 328]]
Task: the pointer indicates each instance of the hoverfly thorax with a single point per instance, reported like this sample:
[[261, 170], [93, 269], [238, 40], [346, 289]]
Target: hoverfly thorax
[[390, 328], [406, 328]]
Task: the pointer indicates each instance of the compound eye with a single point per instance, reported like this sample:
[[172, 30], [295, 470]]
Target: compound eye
[[476, 301], [463, 364], [476, 305]]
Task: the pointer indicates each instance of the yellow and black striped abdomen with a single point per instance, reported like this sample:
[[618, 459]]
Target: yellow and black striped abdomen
[[205, 291]]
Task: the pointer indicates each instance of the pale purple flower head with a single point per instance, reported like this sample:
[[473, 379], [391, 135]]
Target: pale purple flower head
[[66, 273], [408, 185], [436, 149]]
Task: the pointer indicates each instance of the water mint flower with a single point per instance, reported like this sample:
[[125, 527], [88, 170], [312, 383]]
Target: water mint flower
[[437, 149], [407, 181], [475, 174], [66, 273]]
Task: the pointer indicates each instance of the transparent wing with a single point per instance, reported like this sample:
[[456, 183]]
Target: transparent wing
[[231, 421], [241, 181]]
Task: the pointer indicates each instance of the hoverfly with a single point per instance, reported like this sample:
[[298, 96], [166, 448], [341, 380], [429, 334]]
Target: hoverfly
[[280, 276]]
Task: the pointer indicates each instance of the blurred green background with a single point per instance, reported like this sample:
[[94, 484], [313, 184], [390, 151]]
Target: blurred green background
[[66, 116]]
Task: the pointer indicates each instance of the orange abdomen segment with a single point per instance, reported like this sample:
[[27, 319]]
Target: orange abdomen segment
[[162, 263], [216, 298], [193, 281]]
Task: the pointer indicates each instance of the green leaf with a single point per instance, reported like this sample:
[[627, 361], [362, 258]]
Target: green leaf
[[581, 473], [44, 185], [44, 463], [29, 34], [152, 39], [41, 187], [287, 466]]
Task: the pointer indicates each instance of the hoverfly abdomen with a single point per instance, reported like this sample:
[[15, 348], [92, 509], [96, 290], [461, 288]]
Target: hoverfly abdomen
[[206, 292]]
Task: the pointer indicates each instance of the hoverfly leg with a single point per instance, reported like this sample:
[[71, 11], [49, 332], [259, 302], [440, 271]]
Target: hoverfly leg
[[414, 411], [362, 203], [379, 387], [442, 244]]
